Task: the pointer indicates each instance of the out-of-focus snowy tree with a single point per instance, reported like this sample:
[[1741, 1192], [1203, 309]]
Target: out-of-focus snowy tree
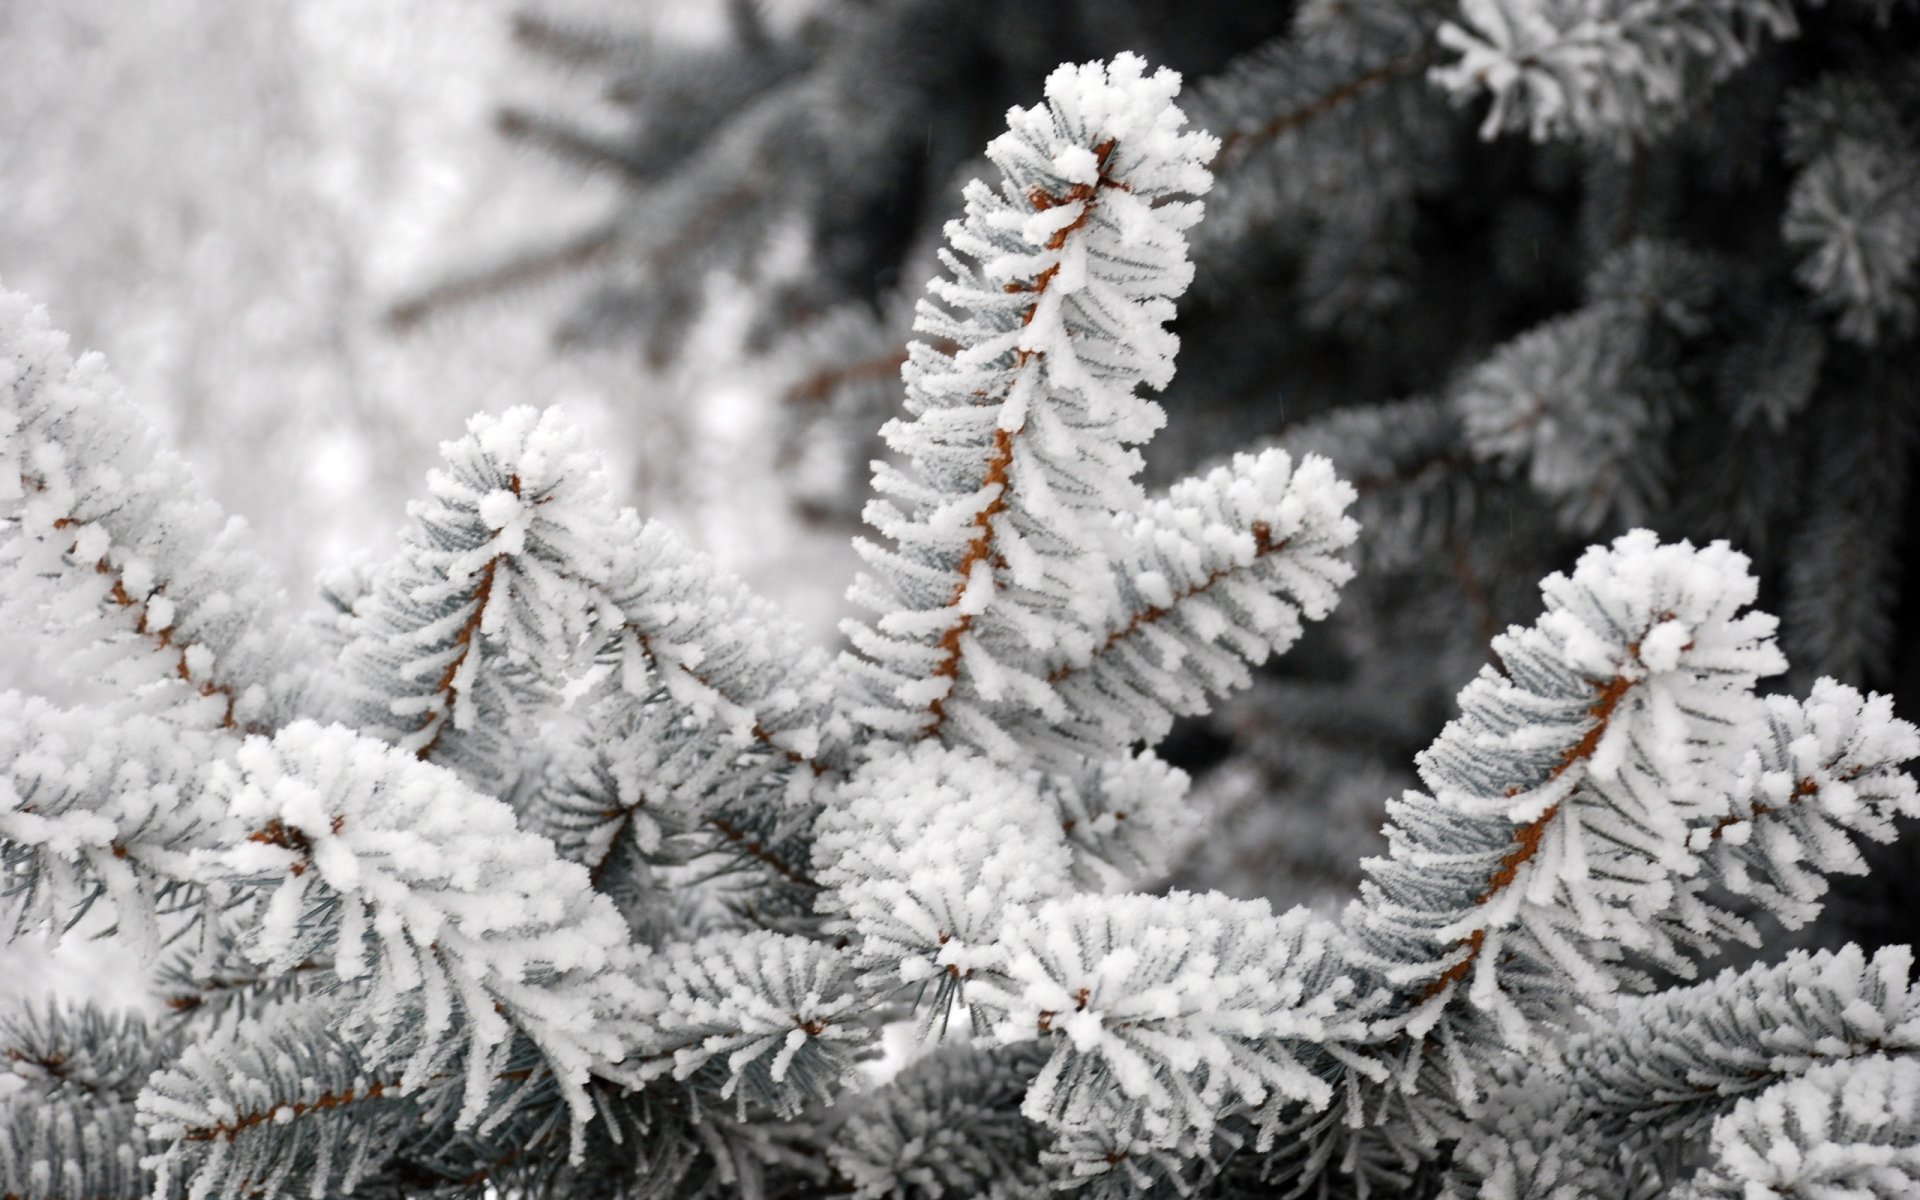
[[227, 196]]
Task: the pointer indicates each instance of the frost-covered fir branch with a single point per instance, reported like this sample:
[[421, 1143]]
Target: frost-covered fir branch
[[109, 544], [480, 937], [1602, 68]]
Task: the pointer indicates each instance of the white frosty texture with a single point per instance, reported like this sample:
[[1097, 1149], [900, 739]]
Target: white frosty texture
[[1742, 1031], [109, 545], [73, 1146], [926, 849], [1606, 70], [1165, 1011], [1562, 799], [1018, 450], [1127, 820], [455, 927], [96, 809], [761, 1017], [1580, 405], [471, 630], [1844, 1131]]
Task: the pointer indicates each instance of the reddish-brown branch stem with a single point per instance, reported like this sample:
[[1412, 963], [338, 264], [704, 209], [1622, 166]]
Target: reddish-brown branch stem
[[1528, 838], [1000, 463], [162, 639], [1802, 789], [1235, 146], [753, 848], [231, 1129], [438, 719], [820, 386]]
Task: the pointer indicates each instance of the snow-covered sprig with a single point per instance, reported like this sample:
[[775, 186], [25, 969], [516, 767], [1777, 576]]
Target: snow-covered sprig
[[926, 850], [1126, 820], [710, 711], [431, 903], [1579, 405], [1673, 1060], [1018, 449], [92, 811], [1605, 70], [74, 1145], [1563, 796], [1827, 772], [1854, 211], [1843, 1131], [110, 544], [279, 1108], [761, 1018], [487, 609], [67, 1128], [722, 655], [1165, 1012], [1623, 1105], [1216, 575], [947, 1127]]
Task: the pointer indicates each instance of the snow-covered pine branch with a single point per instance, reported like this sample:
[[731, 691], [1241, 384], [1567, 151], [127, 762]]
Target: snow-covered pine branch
[[1607, 70], [115, 813], [469, 633], [1629, 1102], [1019, 443], [1825, 775], [451, 930], [1848, 1128], [500, 970], [108, 544], [710, 713], [1561, 799], [1214, 577], [1167, 1012], [1581, 404], [926, 849], [761, 1017], [284, 1105], [67, 1128], [1854, 211]]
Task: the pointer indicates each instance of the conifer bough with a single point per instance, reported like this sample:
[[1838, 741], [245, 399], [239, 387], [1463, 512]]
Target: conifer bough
[[577, 873]]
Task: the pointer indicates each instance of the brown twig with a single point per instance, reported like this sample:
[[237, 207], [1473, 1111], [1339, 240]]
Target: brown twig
[[1000, 462], [1235, 146], [162, 639], [757, 850], [820, 386], [1527, 838], [437, 718], [233, 1128]]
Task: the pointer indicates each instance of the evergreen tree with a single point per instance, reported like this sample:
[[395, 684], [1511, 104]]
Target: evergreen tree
[[1528, 272], [554, 863]]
